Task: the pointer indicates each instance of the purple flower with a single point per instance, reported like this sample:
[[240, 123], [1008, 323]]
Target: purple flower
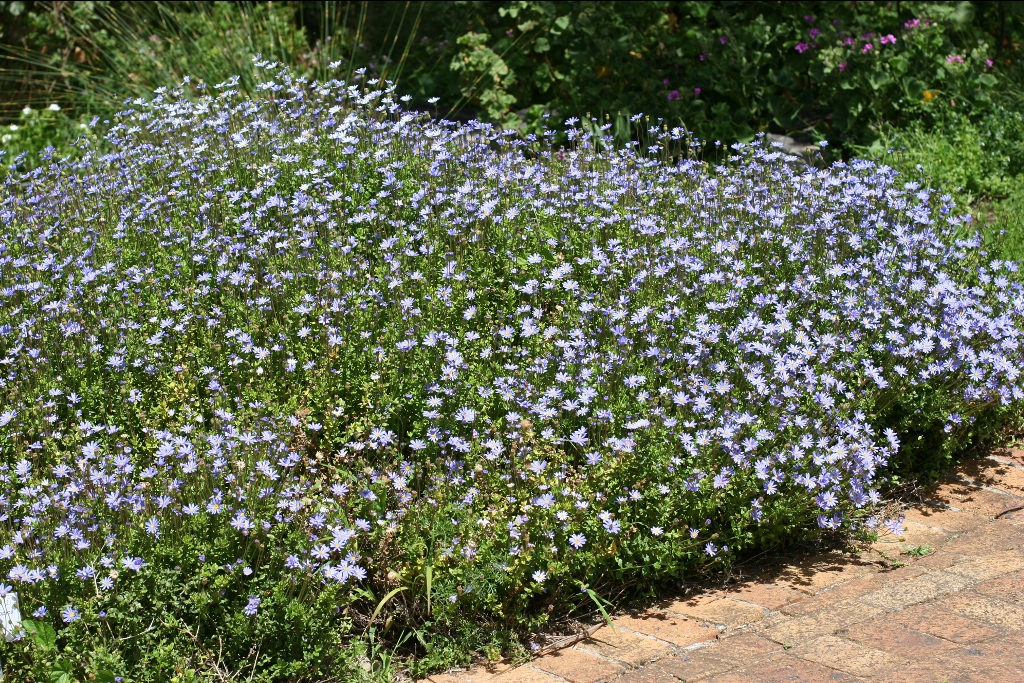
[[252, 606], [673, 95], [134, 563]]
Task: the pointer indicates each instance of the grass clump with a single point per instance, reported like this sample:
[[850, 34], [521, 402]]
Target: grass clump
[[288, 381]]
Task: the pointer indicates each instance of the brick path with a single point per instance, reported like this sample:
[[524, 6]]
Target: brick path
[[956, 614]]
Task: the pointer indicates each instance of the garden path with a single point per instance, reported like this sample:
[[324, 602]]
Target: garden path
[[953, 615]]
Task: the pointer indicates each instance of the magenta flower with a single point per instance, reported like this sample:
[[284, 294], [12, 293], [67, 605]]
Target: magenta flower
[[988, 62], [802, 47], [809, 18], [954, 58], [842, 66], [696, 91], [723, 40], [664, 81], [674, 95], [868, 47], [913, 23], [888, 39], [815, 32], [703, 57]]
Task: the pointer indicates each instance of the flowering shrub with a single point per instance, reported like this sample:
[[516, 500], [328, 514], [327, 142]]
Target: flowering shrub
[[830, 70], [285, 371]]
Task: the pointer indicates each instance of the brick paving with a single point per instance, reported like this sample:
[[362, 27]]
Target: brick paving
[[882, 614]]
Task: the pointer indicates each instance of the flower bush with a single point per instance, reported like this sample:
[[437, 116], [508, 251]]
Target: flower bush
[[288, 375], [835, 71]]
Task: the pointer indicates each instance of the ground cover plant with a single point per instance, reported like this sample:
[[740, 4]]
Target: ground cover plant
[[289, 377]]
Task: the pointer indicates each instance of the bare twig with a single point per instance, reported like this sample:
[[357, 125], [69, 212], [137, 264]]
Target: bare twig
[[568, 641]]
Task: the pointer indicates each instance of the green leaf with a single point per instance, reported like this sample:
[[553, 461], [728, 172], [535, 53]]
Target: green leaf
[[41, 633], [562, 23], [963, 14], [105, 676], [879, 79], [597, 601], [383, 601], [541, 45], [784, 77], [428, 575], [62, 672]]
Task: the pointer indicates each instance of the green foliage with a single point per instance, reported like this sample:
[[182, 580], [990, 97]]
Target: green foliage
[[102, 53], [981, 163], [484, 76], [724, 71], [851, 73], [977, 160], [1005, 224], [721, 71], [381, 228], [40, 129]]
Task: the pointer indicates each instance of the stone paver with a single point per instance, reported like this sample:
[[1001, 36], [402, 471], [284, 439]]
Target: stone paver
[[955, 614], [938, 517], [649, 674], [1009, 587], [833, 617], [746, 646], [767, 595], [785, 668], [846, 655], [678, 631], [577, 666], [896, 639], [1000, 615], [733, 678], [722, 611], [922, 588], [695, 664], [942, 624], [625, 648]]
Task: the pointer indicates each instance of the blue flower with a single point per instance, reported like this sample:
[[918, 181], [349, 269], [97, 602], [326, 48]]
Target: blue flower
[[252, 606]]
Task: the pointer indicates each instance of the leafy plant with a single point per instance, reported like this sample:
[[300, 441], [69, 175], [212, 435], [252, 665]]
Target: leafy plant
[[920, 550], [305, 383]]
